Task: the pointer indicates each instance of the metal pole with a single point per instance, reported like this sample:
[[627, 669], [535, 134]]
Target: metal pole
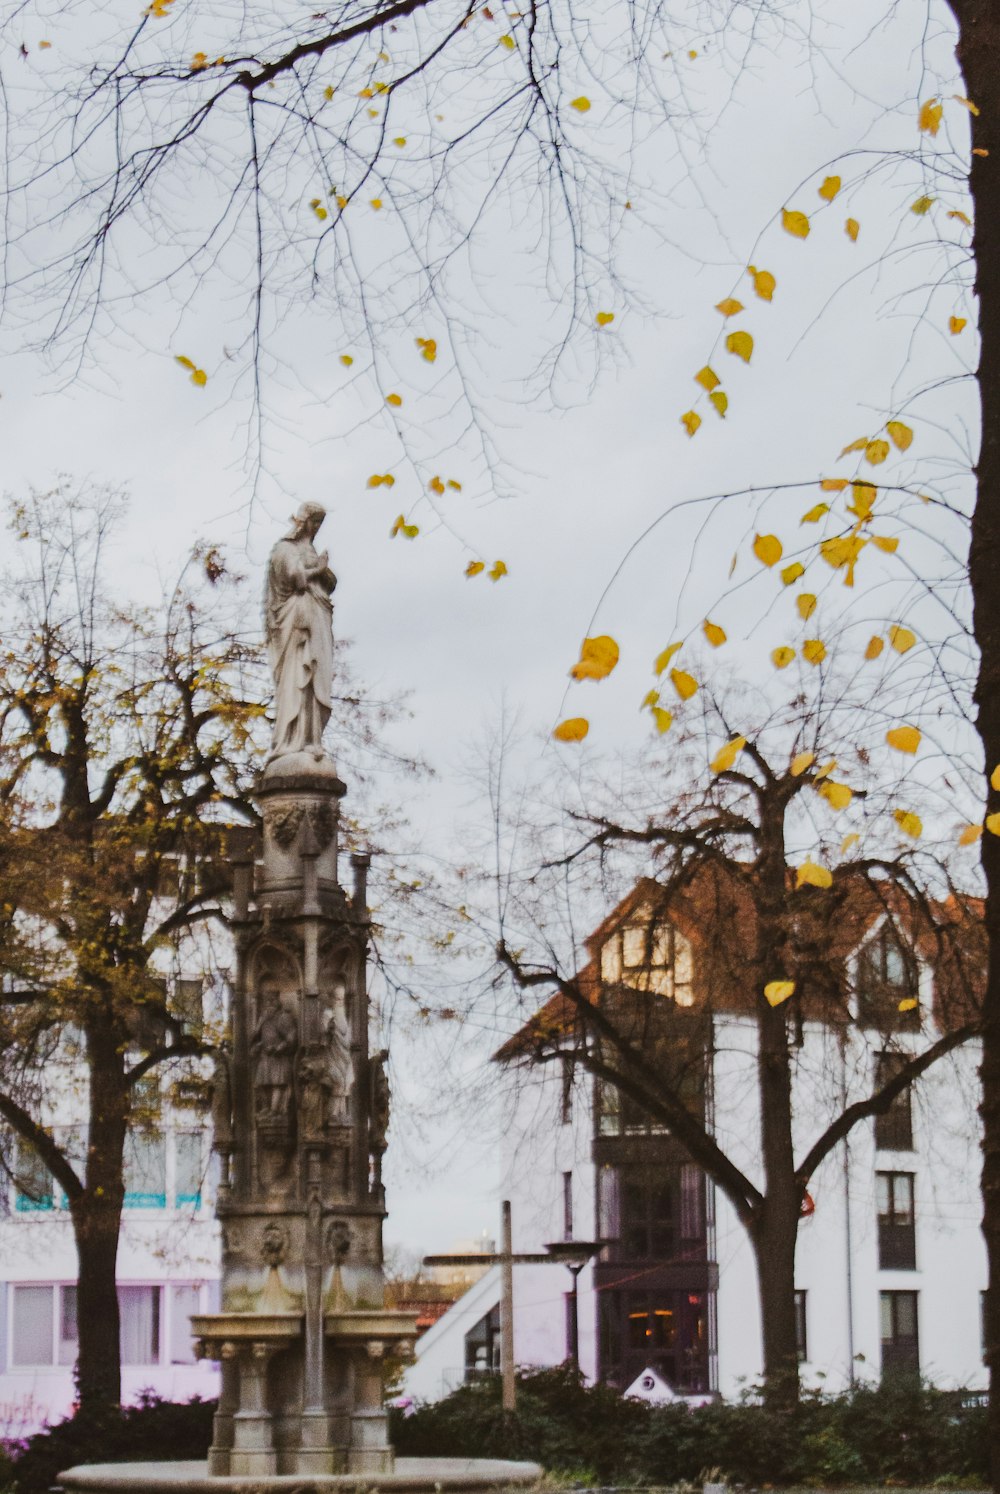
[[507, 1308]]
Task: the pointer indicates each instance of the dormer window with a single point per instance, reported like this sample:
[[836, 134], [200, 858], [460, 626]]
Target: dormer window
[[886, 977], [648, 956]]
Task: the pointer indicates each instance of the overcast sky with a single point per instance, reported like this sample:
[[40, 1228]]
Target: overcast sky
[[854, 332]]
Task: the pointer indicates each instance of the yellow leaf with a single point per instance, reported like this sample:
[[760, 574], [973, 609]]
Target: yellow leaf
[[900, 435], [801, 762], [428, 348], [995, 778], [604, 318], [691, 420], [814, 649], [685, 684], [662, 718], [651, 698], [341, 202], [849, 841], [791, 573], [921, 206], [875, 647], [715, 635], [806, 603], [572, 730], [978, 150], [740, 343], [346, 359], [970, 835], [929, 118], [833, 484], [767, 548], [908, 822], [707, 379], [719, 400], [815, 513], [885, 542], [598, 656], [908, 1004], [782, 657], [876, 452], [394, 399], [42, 45], [582, 104], [901, 639], [830, 188], [400, 140], [184, 362], [967, 103], [474, 567], [903, 738], [692, 54], [408, 531], [956, 324], [764, 283], [456, 486], [837, 795], [318, 208], [795, 223], [724, 759], [962, 217], [376, 203], [328, 93], [863, 495], [729, 307], [809, 874], [436, 485], [386, 480], [852, 228], [842, 552], [508, 42], [859, 445], [777, 991], [662, 660], [199, 61], [827, 767], [993, 824], [199, 377], [497, 569]]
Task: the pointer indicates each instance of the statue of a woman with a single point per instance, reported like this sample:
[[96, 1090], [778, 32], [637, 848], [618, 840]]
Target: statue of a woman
[[298, 625]]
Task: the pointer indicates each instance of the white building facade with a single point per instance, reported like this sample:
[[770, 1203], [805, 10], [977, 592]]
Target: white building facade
[[890, 1264]]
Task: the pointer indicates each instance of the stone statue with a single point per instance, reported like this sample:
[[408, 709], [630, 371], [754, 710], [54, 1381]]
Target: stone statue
[[222, 1103], [298, 626], [315, 1085], [338, 1043], [378, 1117], [273, 1045]]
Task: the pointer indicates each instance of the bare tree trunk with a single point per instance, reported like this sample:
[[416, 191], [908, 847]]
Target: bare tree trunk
[[979, 57], [96, 1223], [773, 1242]]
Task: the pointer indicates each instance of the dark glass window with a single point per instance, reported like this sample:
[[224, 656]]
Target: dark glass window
[[896, 1231], [653, 1211], [647, 1214], [886, 976], [566, 1106], [894, 1129], [567, 1206], [666, 1331], [900, 1342], [482, 1346], [801, 1340]]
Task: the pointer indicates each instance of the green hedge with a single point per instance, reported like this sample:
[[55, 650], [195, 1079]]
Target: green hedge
[[903, 1433], [152, 1431]]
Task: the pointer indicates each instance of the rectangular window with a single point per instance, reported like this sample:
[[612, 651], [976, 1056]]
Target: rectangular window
[[801, 1341], [139, 1307], [188, 1169], [900, 1344], [566, 1106], [894, 1129], [68, 1331], [145, 1170], [32, 1329], [567, 1206], [647, 1212], [896, 1226], [183, 1304], [188, 1003], [887, 975]]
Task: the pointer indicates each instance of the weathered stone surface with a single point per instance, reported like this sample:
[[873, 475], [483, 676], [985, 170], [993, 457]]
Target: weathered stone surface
[[410, 1476]]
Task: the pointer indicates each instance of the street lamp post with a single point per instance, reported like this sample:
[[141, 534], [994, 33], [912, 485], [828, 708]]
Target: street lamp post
[[574, 1254]]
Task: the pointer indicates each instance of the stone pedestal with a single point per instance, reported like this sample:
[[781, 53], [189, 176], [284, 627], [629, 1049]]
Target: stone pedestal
[[301, 1116]]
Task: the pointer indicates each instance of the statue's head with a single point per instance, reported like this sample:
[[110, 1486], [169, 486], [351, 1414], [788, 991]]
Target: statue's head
[[306, 520]]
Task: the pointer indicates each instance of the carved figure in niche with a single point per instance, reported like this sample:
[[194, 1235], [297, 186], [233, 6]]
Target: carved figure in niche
[[338, 1241], [298, 626], [379, 1098], [338, 1045], [222, 1103], [274, 1244], [273, 1045], [315, 1085]]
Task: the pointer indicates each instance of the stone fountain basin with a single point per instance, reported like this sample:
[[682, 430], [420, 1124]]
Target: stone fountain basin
[[410, 1476]]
